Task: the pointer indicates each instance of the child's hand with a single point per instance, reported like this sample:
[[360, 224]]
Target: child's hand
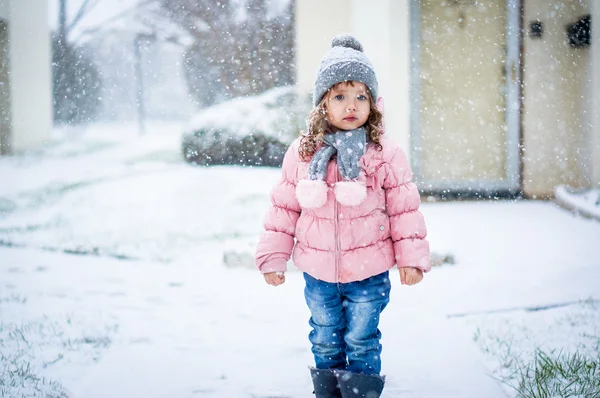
[[274, 278], [410, 276]]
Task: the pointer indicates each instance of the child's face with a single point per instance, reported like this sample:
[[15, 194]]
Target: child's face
[[348, 105]]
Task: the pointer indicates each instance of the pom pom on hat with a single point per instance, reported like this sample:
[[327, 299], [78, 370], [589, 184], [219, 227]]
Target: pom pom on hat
[[347, 41]]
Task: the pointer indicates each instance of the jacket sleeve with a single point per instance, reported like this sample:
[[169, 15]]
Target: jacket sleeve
[[277, 240], [407, 224]]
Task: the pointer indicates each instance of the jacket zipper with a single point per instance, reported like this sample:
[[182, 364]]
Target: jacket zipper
[[337, 234]]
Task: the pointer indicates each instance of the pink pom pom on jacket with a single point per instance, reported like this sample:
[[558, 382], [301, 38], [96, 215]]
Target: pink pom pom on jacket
[[337, 243]]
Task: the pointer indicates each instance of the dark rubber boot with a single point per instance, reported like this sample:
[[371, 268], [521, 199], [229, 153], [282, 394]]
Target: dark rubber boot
[[325, 383], [355, 385]]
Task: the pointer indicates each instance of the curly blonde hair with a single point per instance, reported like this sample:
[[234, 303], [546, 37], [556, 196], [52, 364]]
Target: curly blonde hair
[[318, 126]]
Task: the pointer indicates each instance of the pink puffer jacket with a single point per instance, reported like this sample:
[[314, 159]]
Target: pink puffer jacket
[[336, 243]]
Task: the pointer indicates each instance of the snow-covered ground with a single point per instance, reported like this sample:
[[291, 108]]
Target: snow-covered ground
[[113, 284], [582, 201]]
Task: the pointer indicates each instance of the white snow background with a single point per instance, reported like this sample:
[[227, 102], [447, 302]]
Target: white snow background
[[112, 281]]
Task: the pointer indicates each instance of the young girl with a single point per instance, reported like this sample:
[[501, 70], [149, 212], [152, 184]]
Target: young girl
[[347, 209]]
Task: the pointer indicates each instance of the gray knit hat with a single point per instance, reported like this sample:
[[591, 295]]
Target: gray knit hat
[[344, 61]]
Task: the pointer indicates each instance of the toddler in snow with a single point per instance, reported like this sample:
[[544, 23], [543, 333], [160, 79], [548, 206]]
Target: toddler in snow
[[346, 210]]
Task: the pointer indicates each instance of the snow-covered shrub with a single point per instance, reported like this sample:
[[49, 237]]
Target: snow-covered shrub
[[246, 131]]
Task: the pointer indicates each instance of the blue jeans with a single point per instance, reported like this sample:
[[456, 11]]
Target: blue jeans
[[344, 318]]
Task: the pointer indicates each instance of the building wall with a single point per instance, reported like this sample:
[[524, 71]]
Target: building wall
[[383, 27], [31, 79], [556, 106], [561, 134], [594, 166], [315, 28], [5, 108]]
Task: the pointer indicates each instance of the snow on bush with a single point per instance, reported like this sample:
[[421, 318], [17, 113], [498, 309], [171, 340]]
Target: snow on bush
[[246, 131]]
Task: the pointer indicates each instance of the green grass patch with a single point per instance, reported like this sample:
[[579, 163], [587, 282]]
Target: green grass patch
[[559, 375], [549, 353]]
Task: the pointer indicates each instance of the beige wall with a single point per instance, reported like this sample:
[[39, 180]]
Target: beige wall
[[555, 121], [31, 80], [463, 118], [383, 27], [594, 166]]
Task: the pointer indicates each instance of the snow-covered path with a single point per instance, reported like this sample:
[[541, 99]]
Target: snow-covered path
[[169, 319], [186, 332]]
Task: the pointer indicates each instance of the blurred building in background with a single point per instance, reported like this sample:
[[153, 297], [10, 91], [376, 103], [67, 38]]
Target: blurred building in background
[[498, 96], [25, 74], [487, 97]]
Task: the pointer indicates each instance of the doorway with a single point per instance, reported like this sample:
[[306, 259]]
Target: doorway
[[465, 119]]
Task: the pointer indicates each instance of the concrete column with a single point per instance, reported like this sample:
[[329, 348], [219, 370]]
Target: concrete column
[[595, 96], [31, 77], [383, 27], [317, 22]]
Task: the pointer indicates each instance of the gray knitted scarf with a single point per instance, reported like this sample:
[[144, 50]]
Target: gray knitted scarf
[[350, 147]]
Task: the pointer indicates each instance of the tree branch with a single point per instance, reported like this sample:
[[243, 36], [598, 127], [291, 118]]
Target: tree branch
[[83, 10], [164, 37], [112, 19]]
